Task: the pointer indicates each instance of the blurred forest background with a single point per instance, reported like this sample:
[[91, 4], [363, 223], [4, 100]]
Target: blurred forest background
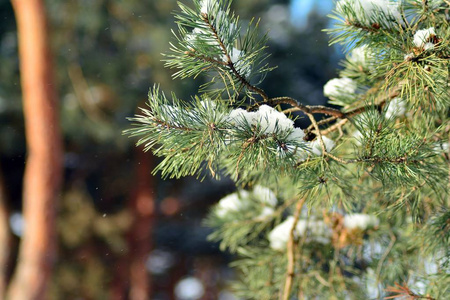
[[110, 229]]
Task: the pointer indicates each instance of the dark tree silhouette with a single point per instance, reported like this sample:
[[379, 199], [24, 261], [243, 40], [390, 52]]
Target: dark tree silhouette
[[142, 206], [5, 237]]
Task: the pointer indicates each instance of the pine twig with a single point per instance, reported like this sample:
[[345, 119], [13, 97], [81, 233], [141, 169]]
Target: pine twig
[[322, 145], [297, 106], [230, 63], [290, 273], [404, 291], [334, 127], [316, 127]]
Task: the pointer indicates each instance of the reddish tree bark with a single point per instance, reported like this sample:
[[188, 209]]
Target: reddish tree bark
[[142, 206], [5, 238], [43, 170], [119, 283]]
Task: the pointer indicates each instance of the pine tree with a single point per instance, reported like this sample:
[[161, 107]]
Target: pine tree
[[356, 205]]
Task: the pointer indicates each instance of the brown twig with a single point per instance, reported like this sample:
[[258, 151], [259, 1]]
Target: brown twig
[[170, 126], [322, 145], [297, 106], [205, 58], [373, 29], [290, 272], [334, 127], [403, 290], [380, 102], [316, 127]]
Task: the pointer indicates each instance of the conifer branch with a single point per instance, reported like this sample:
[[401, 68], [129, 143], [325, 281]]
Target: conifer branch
[[396, 99], [205, 58], [318, 109], [229, 61], [372, 29], [381, 102], [167, 125]]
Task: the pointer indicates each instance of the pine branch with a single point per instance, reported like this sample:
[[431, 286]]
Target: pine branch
[[229, 61], [374, 28], [205, 58], [393, 91]]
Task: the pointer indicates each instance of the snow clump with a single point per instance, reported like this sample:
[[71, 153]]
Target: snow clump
[[396, 108], [424, 38], [441, 147], [199, 36], [242, 199], [360, 55], [317, 148], [270, 121], [237, 58], [316, 230], [267, 118], [206, 5], [340, 87], [360, 221], [231, 203]]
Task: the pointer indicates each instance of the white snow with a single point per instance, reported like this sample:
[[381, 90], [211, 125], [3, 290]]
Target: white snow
[[235, 55], [271, 121], [230, 203], [340, 87], [360, 221], [265, 195], [297, 134], [279, 236], [422, 38], [199, 34], [240, 116], [317, 231], [396, 108], [268, 118], [206, 5], [360, 55], [409, 56], [441, 147], [237, 58], [317, 149], [242, 199]]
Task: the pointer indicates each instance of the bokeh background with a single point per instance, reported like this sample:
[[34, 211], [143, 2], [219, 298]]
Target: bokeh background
[[121, 232]]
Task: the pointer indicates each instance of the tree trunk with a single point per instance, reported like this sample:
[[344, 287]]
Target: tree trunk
[[43, 172], [142, 206], [5, 238]]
